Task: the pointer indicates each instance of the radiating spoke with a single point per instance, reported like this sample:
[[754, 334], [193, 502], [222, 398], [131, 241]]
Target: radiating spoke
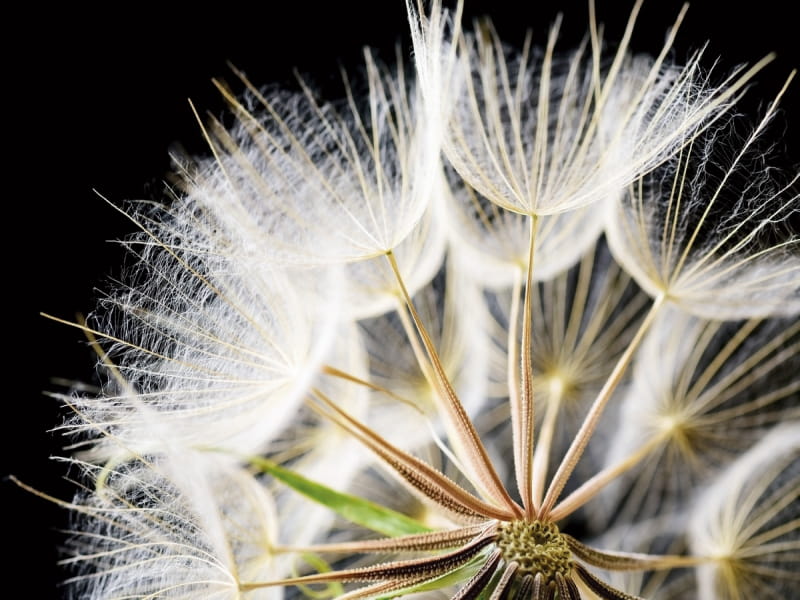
[[522, 407], [476, 454], [600, 588], [504, 582], [437, 540], [417, 473], [629, 561], [476, 584], [405, 571]]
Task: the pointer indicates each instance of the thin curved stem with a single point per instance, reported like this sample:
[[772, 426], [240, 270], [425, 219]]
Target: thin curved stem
[[522, 405], [476, 455]]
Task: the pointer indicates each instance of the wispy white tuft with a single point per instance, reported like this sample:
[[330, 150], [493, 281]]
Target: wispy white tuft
[[542, 131], [182, 527], [371, 287], [492, 243], [712, 230], [748, 523], [303, 181], [201, 351]]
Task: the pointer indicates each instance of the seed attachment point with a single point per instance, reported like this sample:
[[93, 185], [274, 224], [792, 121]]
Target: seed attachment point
[[537, 547]]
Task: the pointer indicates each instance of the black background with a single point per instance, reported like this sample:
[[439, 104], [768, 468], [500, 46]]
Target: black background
[[95, 100]]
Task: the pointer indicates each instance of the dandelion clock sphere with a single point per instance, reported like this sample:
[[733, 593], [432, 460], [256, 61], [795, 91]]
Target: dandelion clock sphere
[[474, 316]]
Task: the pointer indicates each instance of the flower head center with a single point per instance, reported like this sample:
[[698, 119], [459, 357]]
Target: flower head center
[[537, 547]]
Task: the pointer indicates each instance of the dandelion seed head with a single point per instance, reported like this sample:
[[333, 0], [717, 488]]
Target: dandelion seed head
[[517, 322]]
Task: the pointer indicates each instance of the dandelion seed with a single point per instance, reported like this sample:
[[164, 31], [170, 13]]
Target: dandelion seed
[[748, 522], [703, 232], [205, 354], [703, 392], [181, 527], [305, 182], [540, 133]]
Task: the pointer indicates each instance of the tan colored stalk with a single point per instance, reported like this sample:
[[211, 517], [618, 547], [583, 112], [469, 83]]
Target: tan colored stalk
[[476, 455]]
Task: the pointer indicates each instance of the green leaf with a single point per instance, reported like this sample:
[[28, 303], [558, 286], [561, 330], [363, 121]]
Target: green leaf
[[356, 510]]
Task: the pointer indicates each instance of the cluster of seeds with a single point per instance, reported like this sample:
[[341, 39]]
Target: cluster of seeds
[[536, 546]]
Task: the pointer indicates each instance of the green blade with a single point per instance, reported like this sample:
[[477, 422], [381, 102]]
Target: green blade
[[356, 510]]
